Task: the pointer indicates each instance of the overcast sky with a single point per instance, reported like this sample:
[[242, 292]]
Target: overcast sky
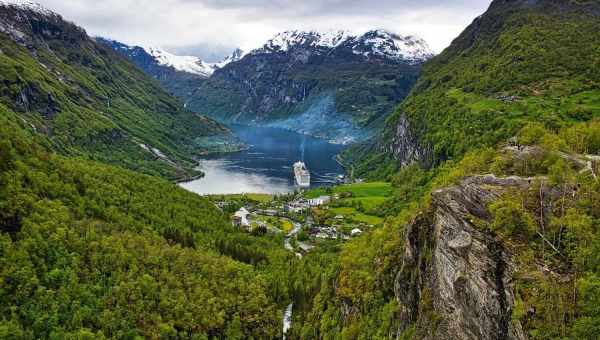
[[213, 28]]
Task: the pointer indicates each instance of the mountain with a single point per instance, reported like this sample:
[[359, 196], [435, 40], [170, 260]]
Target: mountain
[[157, 62], [490, 225], [511, 66], [84, 100], [334, 85], [179, 75]]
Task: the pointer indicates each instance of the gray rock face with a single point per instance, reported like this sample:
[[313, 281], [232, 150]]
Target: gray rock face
[[464, 273], [405, 145]]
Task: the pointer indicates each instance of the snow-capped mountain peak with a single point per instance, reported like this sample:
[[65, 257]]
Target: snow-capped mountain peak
[[374, 43], [284, 41], [236, 55], [146, 56], [27, 5], [386, 44]]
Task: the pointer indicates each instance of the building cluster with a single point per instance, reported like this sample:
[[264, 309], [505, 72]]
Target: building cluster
[[301, 205], [248, 217]]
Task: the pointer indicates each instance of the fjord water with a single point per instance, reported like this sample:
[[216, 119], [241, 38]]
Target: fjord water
[[266, 166]]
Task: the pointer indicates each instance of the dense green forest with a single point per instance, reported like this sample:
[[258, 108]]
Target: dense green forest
[[90, 251], [516, 94]]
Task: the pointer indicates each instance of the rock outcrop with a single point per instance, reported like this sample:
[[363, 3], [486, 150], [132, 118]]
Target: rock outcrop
[[405, 145], [455, 281]]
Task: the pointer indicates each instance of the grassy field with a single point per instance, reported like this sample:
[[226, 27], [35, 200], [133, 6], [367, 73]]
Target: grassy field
[[369, 189], [368, 195], [356, 216], [275, 222]]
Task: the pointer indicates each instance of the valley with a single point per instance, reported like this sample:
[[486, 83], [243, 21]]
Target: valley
[[332, 85], [148, 194]]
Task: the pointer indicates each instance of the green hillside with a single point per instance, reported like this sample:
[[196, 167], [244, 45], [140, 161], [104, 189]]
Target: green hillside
[[509, 67], [89, 102], [92, 251], [488, 226]]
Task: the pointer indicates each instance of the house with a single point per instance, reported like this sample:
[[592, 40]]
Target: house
[[355, 232], [240, 218], [324, 233], [314, 202], [295, 207]]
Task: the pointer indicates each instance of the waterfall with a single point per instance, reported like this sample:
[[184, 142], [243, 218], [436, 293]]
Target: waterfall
[[287, 319]]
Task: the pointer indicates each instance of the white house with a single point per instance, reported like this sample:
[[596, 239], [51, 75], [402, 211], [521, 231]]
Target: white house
[[240, 218], [295, 207], [313, 202], [355, 232]]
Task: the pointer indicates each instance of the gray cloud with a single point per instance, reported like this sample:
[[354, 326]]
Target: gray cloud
[[210, 52], [212, 28]]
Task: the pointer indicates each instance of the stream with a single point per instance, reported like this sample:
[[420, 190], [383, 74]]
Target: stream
[[287, 319]]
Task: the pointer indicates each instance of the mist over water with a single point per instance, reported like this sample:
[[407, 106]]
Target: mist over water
[[266, 167]]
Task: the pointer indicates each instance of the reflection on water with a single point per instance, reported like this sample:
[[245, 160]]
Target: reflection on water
[[266, 167], [223, 178]]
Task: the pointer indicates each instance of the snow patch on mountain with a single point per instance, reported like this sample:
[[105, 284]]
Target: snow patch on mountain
[[26, 5], [237, 54], [284, 41], [189, 64]]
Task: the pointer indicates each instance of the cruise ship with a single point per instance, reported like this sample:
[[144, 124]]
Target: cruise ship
[[302, 175]]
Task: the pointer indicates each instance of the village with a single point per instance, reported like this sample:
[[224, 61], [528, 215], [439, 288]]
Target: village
[[308, 218]]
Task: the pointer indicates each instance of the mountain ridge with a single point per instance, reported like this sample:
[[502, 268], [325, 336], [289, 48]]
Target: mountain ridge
[[87, 101], [336, 86], [189, 64], [371, 43]]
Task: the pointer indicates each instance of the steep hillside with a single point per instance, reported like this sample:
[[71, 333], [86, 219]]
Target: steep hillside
[[93, 251], [510, 66], [332, 85], [85, 100]]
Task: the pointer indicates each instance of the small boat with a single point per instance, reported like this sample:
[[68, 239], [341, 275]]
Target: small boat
[[302, 175]]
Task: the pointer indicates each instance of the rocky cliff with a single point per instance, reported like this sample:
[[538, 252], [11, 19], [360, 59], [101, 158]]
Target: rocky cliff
[[456, 279]]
